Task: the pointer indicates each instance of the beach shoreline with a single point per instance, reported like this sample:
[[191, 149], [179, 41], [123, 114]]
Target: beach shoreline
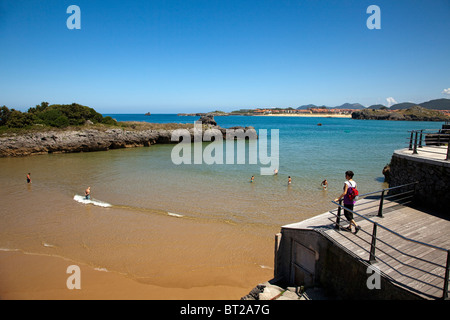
[[25, 276]]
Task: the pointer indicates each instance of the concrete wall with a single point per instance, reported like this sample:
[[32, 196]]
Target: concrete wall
[[433, 190], [307, 257]]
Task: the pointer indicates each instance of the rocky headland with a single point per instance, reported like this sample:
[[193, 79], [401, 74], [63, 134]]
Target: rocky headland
[[415, 113], [94, 138]]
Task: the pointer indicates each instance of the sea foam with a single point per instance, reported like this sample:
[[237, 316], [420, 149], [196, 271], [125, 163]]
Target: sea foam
[[82, 199]]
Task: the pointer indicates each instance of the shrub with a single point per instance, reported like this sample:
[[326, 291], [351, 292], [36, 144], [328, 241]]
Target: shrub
[[4, 115], [109, 121], [55, 115], [18, 119]]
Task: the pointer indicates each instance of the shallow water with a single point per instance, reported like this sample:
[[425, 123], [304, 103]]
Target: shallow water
[[188, 225]]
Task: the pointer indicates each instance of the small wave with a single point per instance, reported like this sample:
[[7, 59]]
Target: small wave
[[82, 199], [264, 267], [175, 215], [101, 269], [48, 245], [8, 250]]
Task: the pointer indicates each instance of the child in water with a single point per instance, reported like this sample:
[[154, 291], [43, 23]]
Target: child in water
[[87, 193]]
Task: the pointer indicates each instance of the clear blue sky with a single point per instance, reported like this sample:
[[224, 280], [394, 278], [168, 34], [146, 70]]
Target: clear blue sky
[[169, 56]]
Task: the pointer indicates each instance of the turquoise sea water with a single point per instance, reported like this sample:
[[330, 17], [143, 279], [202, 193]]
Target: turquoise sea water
[[310, 153]]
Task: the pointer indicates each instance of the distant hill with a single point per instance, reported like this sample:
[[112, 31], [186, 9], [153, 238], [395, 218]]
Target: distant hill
[[310, 106], [437, 104], [403, 105], [377, 107], [353, 106]]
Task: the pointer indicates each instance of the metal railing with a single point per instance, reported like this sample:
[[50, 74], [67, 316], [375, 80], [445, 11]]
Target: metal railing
[[406, 194], [436, 142]]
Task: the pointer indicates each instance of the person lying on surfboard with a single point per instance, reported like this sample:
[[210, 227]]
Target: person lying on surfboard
[[87, 193]]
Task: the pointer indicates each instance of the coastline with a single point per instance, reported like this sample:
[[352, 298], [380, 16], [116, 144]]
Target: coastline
[[306, 115], [88, 139], [25, 276]]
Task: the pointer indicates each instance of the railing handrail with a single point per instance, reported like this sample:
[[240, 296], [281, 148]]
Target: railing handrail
[[387, 189], [391, 231], [437, 131], [415, 141]]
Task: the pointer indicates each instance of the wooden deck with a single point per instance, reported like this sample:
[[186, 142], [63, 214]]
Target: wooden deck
[[412, 266]]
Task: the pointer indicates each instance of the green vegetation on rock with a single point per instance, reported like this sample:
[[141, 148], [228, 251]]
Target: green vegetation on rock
[[56, 116]]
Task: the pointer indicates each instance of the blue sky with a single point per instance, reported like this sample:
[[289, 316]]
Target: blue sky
[[169, 56]]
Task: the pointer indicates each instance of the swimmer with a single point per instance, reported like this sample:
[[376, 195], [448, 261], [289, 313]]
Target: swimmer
[[289, 180], [324, 184], [252, 179], [28, 178], [275, 172], [87, 193]]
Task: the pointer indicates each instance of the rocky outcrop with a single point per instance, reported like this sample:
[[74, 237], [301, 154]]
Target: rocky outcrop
[[386, 172], [413, 114], [90, 139], [78, 141], [208, 119], [270, 291]]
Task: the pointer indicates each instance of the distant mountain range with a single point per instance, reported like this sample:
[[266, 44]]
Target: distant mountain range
[[355, 106], [436, 104]]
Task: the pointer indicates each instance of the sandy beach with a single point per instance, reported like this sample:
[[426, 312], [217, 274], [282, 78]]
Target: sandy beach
[[39, 277]]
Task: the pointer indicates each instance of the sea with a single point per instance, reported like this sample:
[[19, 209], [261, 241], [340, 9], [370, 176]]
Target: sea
[[191, 224]]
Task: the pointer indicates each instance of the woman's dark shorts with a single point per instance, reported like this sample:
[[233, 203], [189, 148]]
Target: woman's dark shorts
[[348, 215]]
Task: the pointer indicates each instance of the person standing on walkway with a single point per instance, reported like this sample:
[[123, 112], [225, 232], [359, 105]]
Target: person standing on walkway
[[348, 202]]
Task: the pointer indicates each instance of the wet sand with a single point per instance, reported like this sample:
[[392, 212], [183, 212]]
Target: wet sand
[[40, 277]]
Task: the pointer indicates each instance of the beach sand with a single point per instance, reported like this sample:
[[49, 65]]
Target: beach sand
[[39, 277]]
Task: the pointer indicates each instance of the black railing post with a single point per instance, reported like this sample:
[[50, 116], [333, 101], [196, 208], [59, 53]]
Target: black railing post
[[373, 244], [411, 140], [338, 218], [380, 207], [448, 150], [420, 139], [415, 143], [447, 271]]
